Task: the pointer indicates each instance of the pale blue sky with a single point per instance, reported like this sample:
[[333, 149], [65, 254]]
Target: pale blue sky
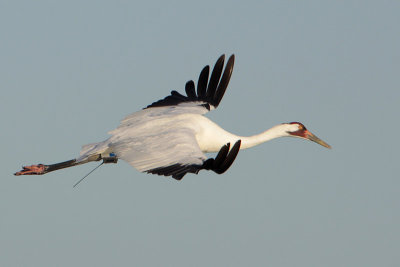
[[71, 70]]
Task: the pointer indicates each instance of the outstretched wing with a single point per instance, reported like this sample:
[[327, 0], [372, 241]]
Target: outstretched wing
[[171, 154], [220, 164], [209, 91]]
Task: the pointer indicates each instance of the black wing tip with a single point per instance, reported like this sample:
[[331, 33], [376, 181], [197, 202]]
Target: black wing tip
[[230, 59], [221, 59], [177, 171], [224, 159], [224, 81], [209, 91], [231, 62], [232, 56]]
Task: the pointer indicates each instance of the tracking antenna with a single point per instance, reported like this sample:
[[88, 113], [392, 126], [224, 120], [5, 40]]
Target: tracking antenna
[[87, 175]]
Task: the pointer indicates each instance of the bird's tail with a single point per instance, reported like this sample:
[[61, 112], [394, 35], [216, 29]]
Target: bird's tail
[[91, 150]]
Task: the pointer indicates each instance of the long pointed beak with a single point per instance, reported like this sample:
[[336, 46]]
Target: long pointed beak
[[312, 137]]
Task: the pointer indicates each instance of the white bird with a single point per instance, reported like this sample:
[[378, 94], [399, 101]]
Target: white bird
[[171, 136]]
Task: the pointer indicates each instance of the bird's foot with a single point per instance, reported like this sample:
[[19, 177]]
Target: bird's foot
[[32, 170]]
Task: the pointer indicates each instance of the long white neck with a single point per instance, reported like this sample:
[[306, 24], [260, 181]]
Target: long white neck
[[211, 137], [279, 130]]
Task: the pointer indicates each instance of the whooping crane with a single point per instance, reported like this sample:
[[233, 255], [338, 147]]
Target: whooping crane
[[170, 136]]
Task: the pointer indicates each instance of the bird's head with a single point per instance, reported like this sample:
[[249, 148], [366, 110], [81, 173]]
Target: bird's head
[[297, 129]]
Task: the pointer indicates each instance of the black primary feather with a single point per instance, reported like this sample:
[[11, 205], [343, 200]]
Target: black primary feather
[[210, 92]]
